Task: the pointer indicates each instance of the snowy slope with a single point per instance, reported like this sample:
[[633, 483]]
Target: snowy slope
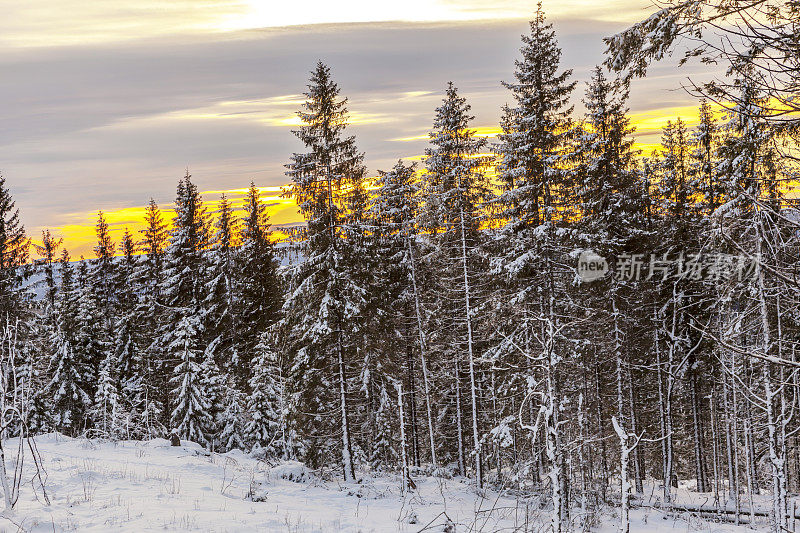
[[98, 486]]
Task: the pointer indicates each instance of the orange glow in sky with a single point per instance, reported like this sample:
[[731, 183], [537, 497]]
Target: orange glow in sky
[[79, 232]]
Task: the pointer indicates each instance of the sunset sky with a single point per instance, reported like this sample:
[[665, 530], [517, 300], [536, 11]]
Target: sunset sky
[[105, 104]]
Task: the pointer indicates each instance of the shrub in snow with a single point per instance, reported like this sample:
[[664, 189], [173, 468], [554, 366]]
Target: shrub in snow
[[292, 471]]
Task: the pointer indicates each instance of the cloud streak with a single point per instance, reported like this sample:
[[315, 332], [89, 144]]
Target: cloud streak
[[47, 24], [108, 124]]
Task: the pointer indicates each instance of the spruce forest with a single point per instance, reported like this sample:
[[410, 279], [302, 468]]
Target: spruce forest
[[437, 319]]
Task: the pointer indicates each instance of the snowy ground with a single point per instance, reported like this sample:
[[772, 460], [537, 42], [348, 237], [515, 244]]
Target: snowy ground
[[151, 486]]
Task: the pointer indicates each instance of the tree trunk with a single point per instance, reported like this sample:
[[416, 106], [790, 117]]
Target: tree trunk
[[422, 349], [347, 452], [601, 433], [699, 461], [403, 457], [731, 440], [459, 427], [625, 484], [714, 447], [470, 354], [637, 457], [412, 404]]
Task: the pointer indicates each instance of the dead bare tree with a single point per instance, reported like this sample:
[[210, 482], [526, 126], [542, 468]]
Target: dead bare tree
[[14, 392]]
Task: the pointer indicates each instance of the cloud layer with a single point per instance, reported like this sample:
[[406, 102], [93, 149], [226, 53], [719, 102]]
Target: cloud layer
[[110, 122]]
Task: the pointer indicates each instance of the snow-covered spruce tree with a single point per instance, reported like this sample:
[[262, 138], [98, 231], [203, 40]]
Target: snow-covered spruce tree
[[15, 302], [398, 284], [703, 157], [112, 282], [702, 365], [190, 416], [106, 406], [319, 313], [215, 386], [14, 249], [34, 368], [258, 371], [221, 298], [29, 342], [455, 189], [48, 251], [611, 191], [231, 420], [149, 277], [70, 384], [676, 192], [153, 244], [126, 334], [535, 152], [267, 430], [121, 391], [90, 338], [103, 277], [184, 319], [185, 260], [97, 309], [258, 288], [221, 303], [366, 337], [384, 449], [611, 195]]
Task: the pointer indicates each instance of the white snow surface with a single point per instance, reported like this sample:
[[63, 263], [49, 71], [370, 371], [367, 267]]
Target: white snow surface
[[101, 486]]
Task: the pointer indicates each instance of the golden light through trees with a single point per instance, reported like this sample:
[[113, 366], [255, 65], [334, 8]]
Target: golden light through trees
[[78, 231]]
